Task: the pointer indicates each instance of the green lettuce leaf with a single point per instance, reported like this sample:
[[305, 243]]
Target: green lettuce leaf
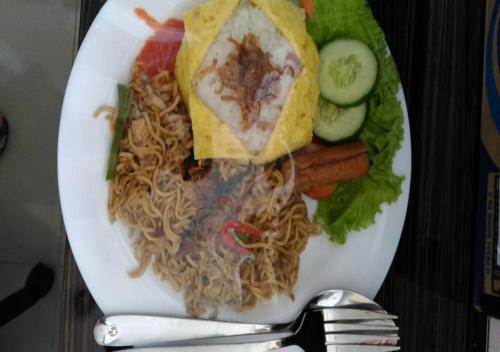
[[354, 206]]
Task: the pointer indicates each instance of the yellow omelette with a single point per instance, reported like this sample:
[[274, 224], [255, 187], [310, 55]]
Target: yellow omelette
[[213, 138]]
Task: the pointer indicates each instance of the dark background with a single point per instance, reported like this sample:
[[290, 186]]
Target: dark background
[[438, 47]]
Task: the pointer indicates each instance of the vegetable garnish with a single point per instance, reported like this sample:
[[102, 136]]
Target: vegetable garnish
[[125, 95], [242, 228], [348, 71], [308, 5], [355, 203], [337, 125], [321, 192], [160, 51], [243, 238], [146, 17], [232, 230], [232, 244]]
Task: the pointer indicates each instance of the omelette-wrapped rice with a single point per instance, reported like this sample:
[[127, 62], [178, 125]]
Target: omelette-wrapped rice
[[247, 69]]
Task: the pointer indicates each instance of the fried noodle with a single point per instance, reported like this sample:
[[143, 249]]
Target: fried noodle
[[175, 208]]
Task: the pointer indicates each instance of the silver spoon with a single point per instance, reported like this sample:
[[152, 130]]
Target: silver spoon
[[146, 330]]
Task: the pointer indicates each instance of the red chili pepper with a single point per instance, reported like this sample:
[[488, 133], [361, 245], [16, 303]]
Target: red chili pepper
[[243, 228], [228, 233], [231, 243]]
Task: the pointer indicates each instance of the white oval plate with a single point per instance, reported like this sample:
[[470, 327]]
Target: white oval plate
[[102, 250]]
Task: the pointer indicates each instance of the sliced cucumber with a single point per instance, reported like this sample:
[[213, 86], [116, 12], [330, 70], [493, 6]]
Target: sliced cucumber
[[348, 71], [334, 124]]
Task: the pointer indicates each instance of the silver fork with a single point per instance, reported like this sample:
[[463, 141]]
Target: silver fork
[[336, 330], [343, 330], [144, 330], [323, 330]]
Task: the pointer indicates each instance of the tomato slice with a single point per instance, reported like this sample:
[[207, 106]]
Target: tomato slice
[[308, 6], [321, 192], [160, 51]]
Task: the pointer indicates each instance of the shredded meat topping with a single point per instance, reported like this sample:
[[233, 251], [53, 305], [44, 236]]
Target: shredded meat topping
[[250, 74]]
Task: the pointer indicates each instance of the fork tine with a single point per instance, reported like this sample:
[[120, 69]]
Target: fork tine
[[348, 339], [339, 314], [361, 348], [340, 327], [386, 322]]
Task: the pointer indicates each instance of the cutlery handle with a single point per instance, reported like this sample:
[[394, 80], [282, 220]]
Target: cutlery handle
[[143, 330], [245, 347]]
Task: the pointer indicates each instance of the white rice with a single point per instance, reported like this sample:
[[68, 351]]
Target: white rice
[[247, 19]]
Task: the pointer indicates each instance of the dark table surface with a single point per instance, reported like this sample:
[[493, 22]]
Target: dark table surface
[[438, 46]]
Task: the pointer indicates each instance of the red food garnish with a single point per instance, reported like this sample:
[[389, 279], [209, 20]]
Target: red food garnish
[[160, 51], [321, 192], [230, 229], [231, 243], [150, 21], [308, 6], [242, 228]]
